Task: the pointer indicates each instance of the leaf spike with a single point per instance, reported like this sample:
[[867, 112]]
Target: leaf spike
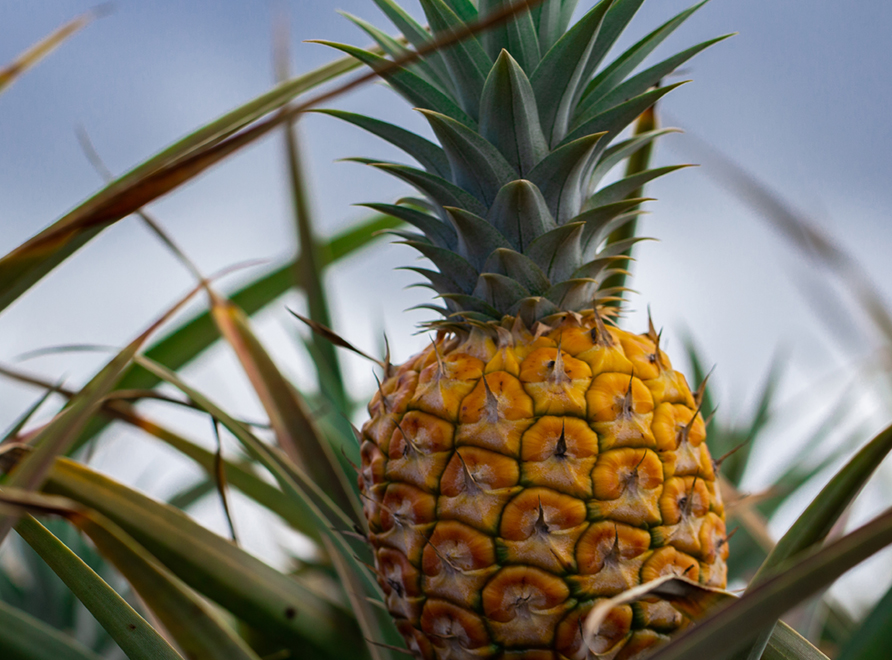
[[701, 389], [220, 479]]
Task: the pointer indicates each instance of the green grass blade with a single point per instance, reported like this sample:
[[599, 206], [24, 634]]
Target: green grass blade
[[296, 431], [733, 628], [27, 638], [874, 638], [131, 632], [43, 48], [31, 261], [194, 336]]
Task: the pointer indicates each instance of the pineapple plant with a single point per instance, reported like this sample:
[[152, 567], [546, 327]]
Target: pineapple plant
[[535, 459], [534, 484]]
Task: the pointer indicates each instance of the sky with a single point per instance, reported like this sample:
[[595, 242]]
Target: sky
[[798, 98]]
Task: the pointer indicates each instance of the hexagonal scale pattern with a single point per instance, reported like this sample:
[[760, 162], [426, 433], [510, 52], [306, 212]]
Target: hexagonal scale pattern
[[513, 480]]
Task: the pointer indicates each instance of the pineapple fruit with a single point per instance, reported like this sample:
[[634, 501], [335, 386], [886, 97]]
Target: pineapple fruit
[[535, 458]]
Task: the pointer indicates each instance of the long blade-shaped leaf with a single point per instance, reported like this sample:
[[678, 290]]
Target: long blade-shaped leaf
[[189, 340], [32, 260], [295, 484], [129, 630], [874, 638], [244, 585], [732, 628], [195, 626], [27, 638], [42, 48], [60, 434], [825, 510], [295, 429]]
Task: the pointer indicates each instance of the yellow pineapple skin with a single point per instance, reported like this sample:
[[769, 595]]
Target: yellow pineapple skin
[[513, 478]]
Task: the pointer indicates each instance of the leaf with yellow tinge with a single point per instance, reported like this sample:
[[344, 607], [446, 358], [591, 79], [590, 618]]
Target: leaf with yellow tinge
[[295, 484], [43, 48], [30, 262], [292, 423]]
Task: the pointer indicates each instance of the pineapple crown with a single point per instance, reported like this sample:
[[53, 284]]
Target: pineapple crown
[[513, 216]]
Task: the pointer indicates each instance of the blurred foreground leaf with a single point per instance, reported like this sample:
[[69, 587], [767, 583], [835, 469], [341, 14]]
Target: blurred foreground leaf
[[43, 48], [27, 638], [129, 630]]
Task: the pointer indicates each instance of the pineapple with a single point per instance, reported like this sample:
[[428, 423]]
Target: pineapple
[[535, 458]]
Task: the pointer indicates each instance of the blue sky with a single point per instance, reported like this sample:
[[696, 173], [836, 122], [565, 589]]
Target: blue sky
[[800, 98]]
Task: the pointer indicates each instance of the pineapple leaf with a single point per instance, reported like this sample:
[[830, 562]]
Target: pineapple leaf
[[618, 118], [499, 291], [616, 192], [235, 474], [60, 434], [464, 9], [561, 175], [558, 76], [131, 632], [521, 214], [573, 293], [548, 23], [459, 269], [617, 71], [614, 155], [472, 303], [30, 262], [598, 219], [437, 281], [730, 629], [43, 48], [295, 429], [415, 89], [27, 638], [787, 644], [567, 9], [244, 585], [438, 232], [517, 36], [873, 638], [519, 268], [467, 61], [645, 80], [439, 190], [817, 520], [397, 50], [477, 239], [557, 252], [416, 35], [531, 309], [193, 623], [429, 155], [509, 118], [615, 23], [190, 339], [477, 166]]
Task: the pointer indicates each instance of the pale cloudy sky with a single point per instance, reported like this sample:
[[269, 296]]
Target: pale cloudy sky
[[800, 97]]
